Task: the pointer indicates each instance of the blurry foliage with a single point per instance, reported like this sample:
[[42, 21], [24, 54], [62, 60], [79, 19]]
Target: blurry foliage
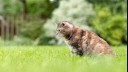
[[107, 18], [11, 7], [1, 6], [110, 21], [37, 12], [115, 6], [76, 12], [42, 8], [17, 40], [31, 29]]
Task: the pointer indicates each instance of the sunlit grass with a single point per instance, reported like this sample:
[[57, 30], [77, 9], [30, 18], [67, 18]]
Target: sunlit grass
[[57, 59]]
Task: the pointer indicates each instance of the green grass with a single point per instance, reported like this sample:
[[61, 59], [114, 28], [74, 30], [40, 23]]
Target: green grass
[[58, 59]]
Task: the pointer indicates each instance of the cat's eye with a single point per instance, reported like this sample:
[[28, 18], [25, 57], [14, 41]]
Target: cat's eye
[[63, 24]]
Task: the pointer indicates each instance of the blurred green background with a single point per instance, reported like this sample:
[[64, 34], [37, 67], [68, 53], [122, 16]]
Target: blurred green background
[[33, 22], [28, 41]]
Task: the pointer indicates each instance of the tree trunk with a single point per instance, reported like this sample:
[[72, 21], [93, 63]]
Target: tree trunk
[[24, 9]]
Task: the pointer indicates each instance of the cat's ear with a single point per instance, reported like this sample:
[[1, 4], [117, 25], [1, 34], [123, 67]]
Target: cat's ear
[[58, 23], [68, 22]]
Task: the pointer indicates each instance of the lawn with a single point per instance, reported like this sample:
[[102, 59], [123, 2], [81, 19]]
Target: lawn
[[58, 59]]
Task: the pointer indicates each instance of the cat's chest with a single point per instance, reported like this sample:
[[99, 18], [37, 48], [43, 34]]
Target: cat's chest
[[73, 46]]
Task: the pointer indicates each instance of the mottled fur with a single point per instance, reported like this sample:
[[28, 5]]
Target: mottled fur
[[82, 41]]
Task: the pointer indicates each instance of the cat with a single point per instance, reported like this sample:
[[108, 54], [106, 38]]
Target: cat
[[81, 41]]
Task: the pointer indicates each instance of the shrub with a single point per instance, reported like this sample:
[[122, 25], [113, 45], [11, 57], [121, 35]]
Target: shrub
[[41, 8], [110, 27], [31, 29], [11, 7]]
